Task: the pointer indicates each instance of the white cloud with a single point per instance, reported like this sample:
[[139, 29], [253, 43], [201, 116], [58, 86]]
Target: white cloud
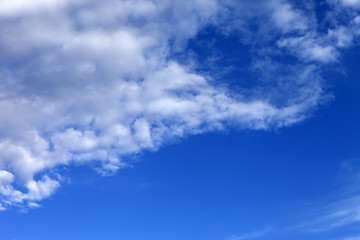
[[342, 36], [353, 3], [41, 189], [16, 7], [98, 83], [323, 47], [310, 48], [287, 18]]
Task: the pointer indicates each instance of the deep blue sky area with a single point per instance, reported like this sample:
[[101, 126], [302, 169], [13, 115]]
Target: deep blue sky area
[[180, 120]]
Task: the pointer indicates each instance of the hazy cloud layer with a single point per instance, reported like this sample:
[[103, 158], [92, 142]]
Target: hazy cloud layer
[[95, 81]]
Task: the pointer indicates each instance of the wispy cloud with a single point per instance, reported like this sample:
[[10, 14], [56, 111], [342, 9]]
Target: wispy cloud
[[251, 235], [352, 238], [339, 215]]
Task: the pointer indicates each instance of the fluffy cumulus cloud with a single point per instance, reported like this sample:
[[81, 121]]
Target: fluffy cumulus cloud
[[93, 82]]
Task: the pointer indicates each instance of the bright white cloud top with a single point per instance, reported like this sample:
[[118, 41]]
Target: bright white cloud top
[[92, 82]]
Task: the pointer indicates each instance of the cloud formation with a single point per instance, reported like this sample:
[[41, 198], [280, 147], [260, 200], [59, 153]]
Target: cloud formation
[[92, 82]]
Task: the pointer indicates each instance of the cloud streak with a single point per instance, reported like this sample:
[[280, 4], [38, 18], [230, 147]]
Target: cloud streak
[[252, 235], [341, 215]]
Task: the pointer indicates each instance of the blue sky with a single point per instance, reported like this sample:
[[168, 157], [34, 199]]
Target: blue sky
[[157, 119]]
